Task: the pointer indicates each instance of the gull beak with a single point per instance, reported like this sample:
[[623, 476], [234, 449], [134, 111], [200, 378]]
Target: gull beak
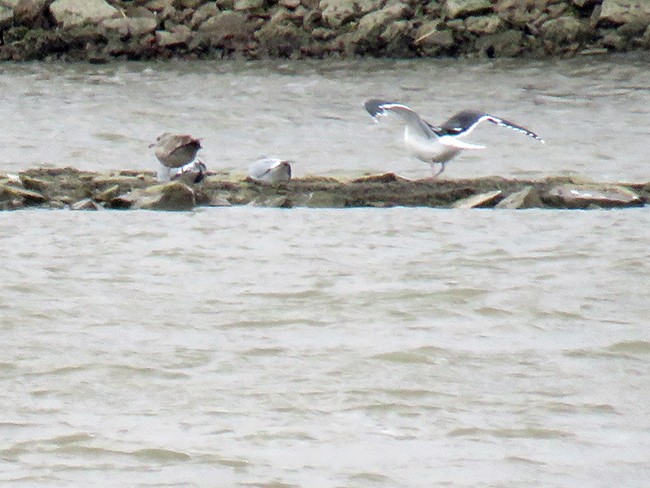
[[152, 145]]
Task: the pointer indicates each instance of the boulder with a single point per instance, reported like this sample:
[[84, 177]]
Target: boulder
[[180, 35], [464, 8], [584, 196], [30, 12], [502, 44], [335, 13], [85, 204], [527, 197], [129, 27], [281, 39], [174, 196], [480, 200], [374, 22], [6, 17], [248, 4], [227, 26], [617, 12], [565, 29], [22, 195], [71, 13], [519, 12], [482, 25]]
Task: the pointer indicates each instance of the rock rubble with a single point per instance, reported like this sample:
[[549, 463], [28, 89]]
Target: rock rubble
[[84, 190], [101, 30]]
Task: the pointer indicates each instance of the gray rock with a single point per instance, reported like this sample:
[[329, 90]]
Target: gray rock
[[482, 25], [431, 39], [617, 12], [85, 204], [564, 30], [180, 35], [129, 27], [22, 195], [337, 12], [6, 17], [29, 12], [502, 44], [248, 4], [463, 8], [527, 197], [227, 26], [174, 196], [480, 200], [519, 12], [603, 196], [71, 13], [374, 22]]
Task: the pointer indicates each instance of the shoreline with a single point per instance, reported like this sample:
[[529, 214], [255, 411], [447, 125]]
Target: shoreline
[[100, 31], [69, 188]]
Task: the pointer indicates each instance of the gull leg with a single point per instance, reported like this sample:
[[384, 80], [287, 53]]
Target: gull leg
[[442, 168]]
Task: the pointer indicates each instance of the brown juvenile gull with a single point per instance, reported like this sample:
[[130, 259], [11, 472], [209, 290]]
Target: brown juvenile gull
[[439, 144], [175, 151]]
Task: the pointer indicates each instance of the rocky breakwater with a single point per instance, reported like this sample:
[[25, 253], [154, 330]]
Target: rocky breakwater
[[100, 30], [67, 188]]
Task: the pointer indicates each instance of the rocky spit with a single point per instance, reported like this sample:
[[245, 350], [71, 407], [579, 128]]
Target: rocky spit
[[102, 30], [68, 188]]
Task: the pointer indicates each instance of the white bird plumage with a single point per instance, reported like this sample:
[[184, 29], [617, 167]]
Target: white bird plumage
[[439, 144]]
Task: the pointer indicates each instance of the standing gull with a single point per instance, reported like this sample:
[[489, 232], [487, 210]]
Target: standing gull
[[176, 153], [439, 144], [270, 170]]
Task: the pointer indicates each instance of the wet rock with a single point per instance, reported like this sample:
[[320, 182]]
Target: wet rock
[[527, 197], [109, 193], [464, 8], [70, 13], [85, 204], [617, 12], [21, 195], [603, 196], [40, 185], [477, 201], [172, 196], [324, 199]]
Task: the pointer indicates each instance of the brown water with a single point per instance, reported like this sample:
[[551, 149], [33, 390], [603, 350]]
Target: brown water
[[593, 114], [322, 348]]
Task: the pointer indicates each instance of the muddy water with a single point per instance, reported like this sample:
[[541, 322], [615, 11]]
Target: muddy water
[[593, 113], [367, 347]]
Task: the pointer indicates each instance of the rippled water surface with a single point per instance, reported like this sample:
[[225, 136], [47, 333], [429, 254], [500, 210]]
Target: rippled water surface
[[593, 113], [325, 348], [259, 347]]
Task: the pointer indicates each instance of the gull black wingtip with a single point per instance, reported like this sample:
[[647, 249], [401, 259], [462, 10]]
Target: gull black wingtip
[[374, 107]]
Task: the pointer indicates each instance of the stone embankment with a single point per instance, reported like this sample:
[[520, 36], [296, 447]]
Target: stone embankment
[[82, 190], [101, 30]]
